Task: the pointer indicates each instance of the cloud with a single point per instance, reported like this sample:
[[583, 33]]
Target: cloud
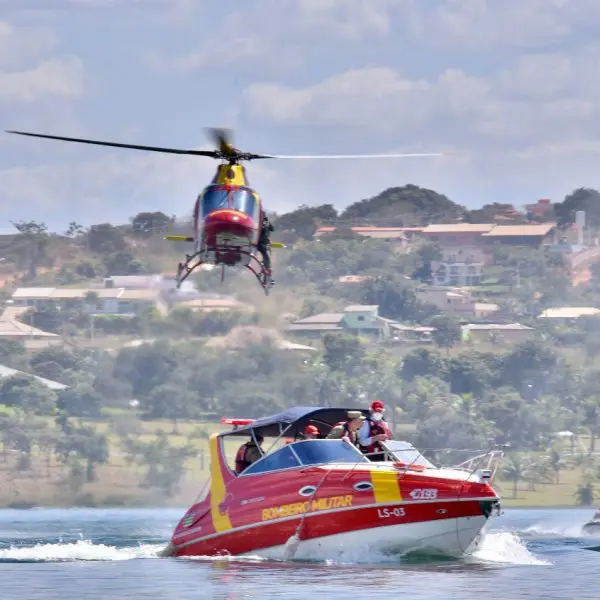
[[25, 76], [487, 24], [282, 35], [58, 77], [512, 86]]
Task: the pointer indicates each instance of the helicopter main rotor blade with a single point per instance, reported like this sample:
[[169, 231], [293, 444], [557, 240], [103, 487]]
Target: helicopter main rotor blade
[[222, 139], [356, 156], [210, 153]]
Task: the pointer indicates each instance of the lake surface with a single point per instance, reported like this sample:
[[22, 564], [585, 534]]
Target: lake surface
[[93, 554]]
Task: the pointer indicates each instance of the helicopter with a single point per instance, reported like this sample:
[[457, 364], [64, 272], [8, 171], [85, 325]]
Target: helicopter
[[230, 226]]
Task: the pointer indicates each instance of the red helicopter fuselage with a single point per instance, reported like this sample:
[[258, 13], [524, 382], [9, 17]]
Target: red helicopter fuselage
[[227, 217]]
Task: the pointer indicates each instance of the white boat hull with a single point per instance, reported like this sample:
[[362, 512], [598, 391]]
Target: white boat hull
[[449, 537]]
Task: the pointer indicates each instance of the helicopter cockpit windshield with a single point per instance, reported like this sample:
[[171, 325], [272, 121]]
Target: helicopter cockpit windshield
[[239, 199]]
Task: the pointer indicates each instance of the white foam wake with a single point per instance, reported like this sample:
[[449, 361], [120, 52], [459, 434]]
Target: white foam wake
[[505, 547], [81, 550]]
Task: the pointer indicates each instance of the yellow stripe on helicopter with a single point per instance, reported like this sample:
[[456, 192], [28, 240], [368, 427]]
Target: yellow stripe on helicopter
[[179, 238]]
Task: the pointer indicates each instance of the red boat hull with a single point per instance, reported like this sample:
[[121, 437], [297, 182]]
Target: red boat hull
[[457, 524]]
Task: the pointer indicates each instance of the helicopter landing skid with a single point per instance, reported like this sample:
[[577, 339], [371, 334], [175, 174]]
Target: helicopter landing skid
[[256, 266]]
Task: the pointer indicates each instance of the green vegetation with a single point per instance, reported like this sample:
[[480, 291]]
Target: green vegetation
[[132, 426]]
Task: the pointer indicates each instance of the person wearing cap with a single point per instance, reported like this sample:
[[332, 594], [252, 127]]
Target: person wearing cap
[[374, 431], [311, 432], [248, 453], [347, 430]]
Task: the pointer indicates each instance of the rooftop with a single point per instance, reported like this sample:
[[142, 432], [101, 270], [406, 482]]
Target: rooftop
[[42, 293], [53, 385], [569, 312], [520, 230], [459, 228], [497, 327], [323, 318], [361, 308]]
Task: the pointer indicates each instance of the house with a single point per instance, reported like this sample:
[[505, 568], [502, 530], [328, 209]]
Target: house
[[568, 314], [521, 235], [459, 266], [215, 304], [53, 385], [11, 328], [464, 256], [400, 237], [359, 319], [99, 301], [514, 333], [411, 334], [457, 301]]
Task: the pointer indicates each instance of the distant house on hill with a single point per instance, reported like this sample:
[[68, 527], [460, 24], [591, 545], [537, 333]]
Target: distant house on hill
[[467, 247], [400, 237], [359, 319], [521, 235], [457, 301], [32, 337], [513, 333], [566, 314], [106, 301]]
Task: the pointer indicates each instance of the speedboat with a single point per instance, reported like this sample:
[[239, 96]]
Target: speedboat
[[592, 527], [310, 498]]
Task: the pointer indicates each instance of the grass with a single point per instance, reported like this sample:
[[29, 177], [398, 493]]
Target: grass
[[119, 483]]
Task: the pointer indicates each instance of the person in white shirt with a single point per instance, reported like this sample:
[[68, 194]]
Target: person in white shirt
[[374, 431]]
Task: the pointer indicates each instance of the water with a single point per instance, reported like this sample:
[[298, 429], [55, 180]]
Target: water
[[95, 554]]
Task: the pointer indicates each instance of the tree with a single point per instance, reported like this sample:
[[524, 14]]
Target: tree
[[407, 205], [342, 350], [36, 236], [80, 400], [303, 221], [13, 354], [447, 332], [105, 239], [123, 262], [422, 362], [586, 199], [74, 230], [83, 443], [145, 224], [396, 299], [27, 393]]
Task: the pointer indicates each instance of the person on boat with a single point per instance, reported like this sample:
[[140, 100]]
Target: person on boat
[[374, 431], [348, 430], [248, 453], [311, 432]]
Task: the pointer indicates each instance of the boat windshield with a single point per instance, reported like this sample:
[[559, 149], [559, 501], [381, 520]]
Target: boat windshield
[[318, 452], [406, 453], [306, 452]]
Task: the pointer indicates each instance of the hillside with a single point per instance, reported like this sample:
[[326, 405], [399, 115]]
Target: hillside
[[130, 426]]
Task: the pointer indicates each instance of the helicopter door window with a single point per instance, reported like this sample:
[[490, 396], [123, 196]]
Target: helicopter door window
[[244, 201], [214, 199]]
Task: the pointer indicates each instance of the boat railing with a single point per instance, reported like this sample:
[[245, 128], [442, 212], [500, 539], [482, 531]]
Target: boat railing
[[488, 462]]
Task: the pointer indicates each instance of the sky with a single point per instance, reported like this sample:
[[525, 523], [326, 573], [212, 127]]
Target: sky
[[510, 89]]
